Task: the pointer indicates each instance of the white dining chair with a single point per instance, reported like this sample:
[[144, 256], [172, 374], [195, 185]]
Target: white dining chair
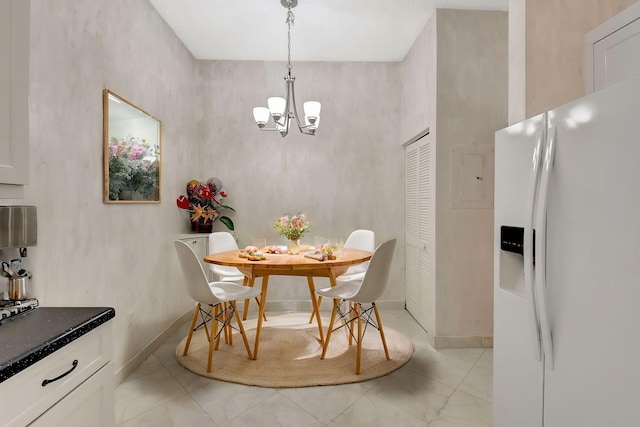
[[361, 296], [219, 296], [222, 241], [364, 240]]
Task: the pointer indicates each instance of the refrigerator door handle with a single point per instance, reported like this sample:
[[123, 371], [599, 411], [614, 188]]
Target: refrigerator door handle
[[534, 322], [541, 237]]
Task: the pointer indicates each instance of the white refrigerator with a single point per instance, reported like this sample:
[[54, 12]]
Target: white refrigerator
[[567, 265]]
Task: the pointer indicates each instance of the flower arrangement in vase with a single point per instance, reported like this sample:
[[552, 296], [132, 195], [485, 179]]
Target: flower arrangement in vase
[[293, 228], [204, 203]]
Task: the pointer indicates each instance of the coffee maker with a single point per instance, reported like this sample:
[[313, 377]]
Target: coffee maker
[[18, 231]]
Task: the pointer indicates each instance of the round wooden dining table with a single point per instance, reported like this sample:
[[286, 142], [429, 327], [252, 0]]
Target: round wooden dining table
[[288, 265]]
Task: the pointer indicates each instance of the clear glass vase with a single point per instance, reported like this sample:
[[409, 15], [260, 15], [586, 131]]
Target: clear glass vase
[[294, 247]]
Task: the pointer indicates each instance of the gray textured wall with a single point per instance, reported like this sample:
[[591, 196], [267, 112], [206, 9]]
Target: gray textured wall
[[472, 106], [348, 176], [90, 253]]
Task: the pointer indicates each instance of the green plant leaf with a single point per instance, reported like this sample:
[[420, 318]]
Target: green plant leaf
[[227, 221]]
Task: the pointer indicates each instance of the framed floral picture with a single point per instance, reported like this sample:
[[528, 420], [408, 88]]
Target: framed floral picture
[[131, 152]]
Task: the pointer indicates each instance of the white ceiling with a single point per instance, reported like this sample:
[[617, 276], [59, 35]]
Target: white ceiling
[[324, 30]]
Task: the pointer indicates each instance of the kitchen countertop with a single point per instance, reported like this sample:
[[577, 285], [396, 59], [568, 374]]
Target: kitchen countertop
[[26, 339]]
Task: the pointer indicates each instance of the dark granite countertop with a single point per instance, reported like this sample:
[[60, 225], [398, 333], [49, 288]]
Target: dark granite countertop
[[26, 339]]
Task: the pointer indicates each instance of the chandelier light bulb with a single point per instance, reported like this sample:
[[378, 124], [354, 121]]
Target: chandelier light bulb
[[276, 107], [312, 111], [261, 116]]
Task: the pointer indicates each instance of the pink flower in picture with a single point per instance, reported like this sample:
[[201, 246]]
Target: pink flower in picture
[[136, 152]]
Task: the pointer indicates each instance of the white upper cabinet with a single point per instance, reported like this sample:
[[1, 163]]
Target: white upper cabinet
[[612, 51], [14, 91]]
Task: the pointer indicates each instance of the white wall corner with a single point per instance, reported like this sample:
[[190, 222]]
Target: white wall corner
[[517, 62]]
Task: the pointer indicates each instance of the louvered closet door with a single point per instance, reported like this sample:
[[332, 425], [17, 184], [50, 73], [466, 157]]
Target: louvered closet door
[[419, 214]]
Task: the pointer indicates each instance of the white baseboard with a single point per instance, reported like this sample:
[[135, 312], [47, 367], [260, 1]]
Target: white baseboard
[[473, 341], [470, 341]]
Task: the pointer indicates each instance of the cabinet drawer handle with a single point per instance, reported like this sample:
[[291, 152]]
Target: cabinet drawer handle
[[75, 365]]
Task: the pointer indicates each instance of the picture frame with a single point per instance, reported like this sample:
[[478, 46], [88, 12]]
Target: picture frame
[[131, 151]]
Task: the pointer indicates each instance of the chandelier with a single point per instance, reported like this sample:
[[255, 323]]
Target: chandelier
[[284, 111]]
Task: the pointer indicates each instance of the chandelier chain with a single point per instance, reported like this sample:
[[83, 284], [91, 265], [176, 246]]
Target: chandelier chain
[[290, 22]]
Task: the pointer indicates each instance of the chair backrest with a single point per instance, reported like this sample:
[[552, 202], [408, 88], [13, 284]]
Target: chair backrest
[[195, 278], [376, 277], [222, 241], [363, 240]]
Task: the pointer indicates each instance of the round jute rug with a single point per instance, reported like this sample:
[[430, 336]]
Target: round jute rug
[[289, 355]]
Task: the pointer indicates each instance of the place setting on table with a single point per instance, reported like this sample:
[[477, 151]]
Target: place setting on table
[[321, 252], [293, 351]]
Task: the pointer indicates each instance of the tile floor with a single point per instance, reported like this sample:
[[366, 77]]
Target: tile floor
[[437, 388]]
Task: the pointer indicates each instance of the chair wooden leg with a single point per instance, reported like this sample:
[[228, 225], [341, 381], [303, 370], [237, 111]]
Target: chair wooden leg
[[352, 317], [333, 318], [206, 328], [215, 319], [226, 327], [214, 331], [348, 328], [193, 325], [242, 332], [228, 332], [384, 341], [359, 348]]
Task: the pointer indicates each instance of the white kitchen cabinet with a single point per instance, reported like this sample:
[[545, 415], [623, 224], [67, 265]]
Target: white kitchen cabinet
[[14, 93], [90, 404], [611, 50], [73, 386]]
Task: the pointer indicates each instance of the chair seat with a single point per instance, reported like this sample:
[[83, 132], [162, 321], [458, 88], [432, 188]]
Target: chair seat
[[343, 291], [231, 278], [350, 277], [223, 270], [226, 291]]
